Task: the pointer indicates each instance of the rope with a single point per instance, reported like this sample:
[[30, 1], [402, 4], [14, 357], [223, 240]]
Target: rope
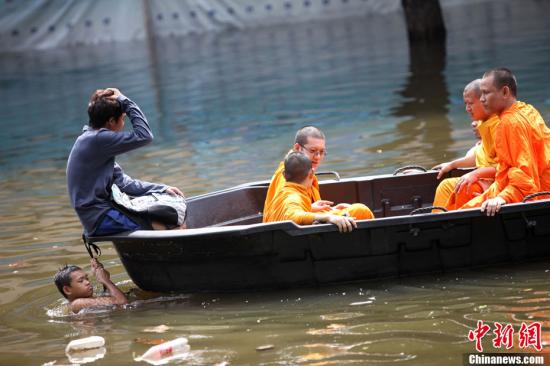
[[533, 195], [427, 209], [91, 246], [409, 167]]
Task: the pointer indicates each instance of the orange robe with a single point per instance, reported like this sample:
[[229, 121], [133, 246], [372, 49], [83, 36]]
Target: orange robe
[[277, 183], [523, 155], [291, 202], [485, 154], [357, 210]]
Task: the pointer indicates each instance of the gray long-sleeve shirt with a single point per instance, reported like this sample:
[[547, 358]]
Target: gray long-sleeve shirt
[[91, 168]]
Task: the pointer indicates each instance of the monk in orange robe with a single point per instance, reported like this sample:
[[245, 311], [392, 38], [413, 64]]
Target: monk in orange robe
[[293, 201], [523, 148], [453, 193], [311, 141]]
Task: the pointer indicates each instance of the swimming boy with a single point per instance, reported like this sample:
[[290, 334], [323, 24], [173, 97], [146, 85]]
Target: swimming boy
[[74, 285], [92, 170], [293, 201]]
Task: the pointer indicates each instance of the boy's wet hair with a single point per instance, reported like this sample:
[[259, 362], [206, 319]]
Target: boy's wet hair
[[102, 108], [297, 167], [63, 277]]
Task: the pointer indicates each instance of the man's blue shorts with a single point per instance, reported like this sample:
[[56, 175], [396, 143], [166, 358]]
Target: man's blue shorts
[[114, 222]]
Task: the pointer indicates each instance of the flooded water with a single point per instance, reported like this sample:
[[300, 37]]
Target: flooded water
[[224, 109]]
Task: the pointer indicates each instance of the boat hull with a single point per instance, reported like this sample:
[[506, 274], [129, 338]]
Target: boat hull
[[283, 255]]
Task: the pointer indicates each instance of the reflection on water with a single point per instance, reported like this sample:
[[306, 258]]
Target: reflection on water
[[224, 108]]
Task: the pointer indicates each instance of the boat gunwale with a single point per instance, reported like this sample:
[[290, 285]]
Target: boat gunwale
[[298, 230]]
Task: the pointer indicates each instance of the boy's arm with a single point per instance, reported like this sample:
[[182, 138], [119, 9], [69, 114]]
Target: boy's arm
[[116, 297], [114, 143], [467, 161], [79, 304], [134, 187]]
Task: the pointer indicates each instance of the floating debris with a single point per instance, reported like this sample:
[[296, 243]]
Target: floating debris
[[265, 347], [149, 342], [85, 343], [166, 352], [158, 329]]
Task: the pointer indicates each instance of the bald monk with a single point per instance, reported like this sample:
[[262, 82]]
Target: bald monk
[[453, 193], [523, 148], [293, 201], [310, 141]]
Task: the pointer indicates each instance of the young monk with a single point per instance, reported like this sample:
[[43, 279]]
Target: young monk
[[74, 285], [453, 193], [310, 141], [293, 201], [523, 148]]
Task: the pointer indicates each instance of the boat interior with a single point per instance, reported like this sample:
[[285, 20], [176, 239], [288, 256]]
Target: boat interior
[[385, 195]]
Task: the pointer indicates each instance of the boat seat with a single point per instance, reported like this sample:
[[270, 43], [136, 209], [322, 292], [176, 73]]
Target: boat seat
[[240, 206]]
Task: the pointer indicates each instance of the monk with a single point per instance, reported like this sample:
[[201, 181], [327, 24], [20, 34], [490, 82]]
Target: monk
[[311, 141], [453, 193], [523, 148], [293, 200]]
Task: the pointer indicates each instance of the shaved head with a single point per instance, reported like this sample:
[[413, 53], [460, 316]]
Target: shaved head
[[297, 167], [473, 86], [503, 77], [308, 131]]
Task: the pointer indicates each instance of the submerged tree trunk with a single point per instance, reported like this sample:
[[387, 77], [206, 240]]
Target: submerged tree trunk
[[424, 20]]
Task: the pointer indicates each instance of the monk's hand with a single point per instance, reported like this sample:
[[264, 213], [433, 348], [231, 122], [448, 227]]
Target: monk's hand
[[443, 168], [345, 224], [492, 205], [342, 206], [174, 191], [466, 179], [321, 206]]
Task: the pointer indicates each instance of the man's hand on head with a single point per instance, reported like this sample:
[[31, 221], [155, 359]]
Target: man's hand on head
[[112, 93]]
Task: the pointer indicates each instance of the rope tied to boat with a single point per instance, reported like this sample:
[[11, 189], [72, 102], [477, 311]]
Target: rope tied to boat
[[409, 167], [91, 246], [428, 210], [533, 195]]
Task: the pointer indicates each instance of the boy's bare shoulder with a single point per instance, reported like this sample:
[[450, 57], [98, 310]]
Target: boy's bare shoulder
[[89, 302]]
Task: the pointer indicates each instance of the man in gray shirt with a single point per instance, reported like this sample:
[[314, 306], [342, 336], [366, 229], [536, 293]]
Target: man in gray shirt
[[91, 168]]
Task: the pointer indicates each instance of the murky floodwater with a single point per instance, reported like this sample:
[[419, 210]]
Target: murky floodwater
[[224, 108]]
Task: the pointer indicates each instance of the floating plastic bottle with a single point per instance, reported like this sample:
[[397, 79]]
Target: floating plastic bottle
[[167, 351]]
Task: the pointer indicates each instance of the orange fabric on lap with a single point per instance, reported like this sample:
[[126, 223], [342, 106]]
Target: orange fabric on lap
[[357, 210]]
